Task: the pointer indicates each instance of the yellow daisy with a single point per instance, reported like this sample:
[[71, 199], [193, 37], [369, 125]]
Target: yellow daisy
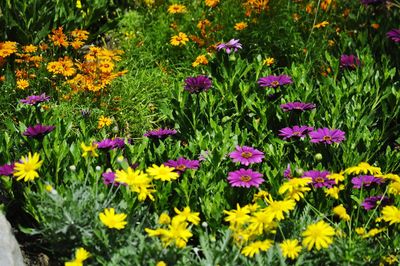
[[179, 40], [319, 235], [290, 248], [162, 172], [26, 168], [112, 220]]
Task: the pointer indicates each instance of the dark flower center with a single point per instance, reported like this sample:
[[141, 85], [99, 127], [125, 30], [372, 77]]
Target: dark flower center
[[246, 154], [245, 178], [275, 83], [327, 138], [180, 167], [319, 180]]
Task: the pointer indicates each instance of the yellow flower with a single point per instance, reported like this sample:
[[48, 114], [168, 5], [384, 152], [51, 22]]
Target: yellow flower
[[132, 177], [7, 48], [212, 3], [187, 215], [162, 172], [30, 48], [391, 214], [360, 231], [176, 9], [48, 188], [89, 150], [238, 216], [256, 247], [373, 232], [323, 24], [363, 168], [161, 263], [26, 168], [22, 84], [269, 61], [104, 121], [334, 191], [81, 254], [394, 188], [337, 177], [295, 188], [179, 39], [276, 209], [341, 212], [391, 259], [164, 218], [262, 195], [240, 26], [290, 248], [112, 220], [177, 234], [319, 235], [200, 60], [106, 66], [260, 222], [78, 4]]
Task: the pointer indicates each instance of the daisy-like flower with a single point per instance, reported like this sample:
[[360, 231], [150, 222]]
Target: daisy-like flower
[[365, 181], [104, 121], [162, 172], [160, 133], [254, 248], [363, 168], [240, 26], [290, 248], [391, 214], [349, 61], [323, 24], [212, 3], [297, 106], [319, 235], [237, 217], [27, 166], [176, 9], [276, 209], [112, 220], [182, 164], [245, 178], [394, 35], [198, 84], [295, 132], [38, 131], [269, 61], [35, 99], [333, 192], [341, 212], [272, 81], [327, 136], [320, 178], [246, 155], [164, 218], [373, 201], [89, 150], [200, 60], [187, 215], [288, 172], [179, 40], [81, 255], [22, 84], [295, 188], [7, 169], [232, 45], [372, 2], [110, 144]]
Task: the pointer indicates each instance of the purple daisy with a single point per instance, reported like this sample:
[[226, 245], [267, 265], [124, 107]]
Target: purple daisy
[[327, 136], [275, 81], [246, 155], [7, 169], [245, 178], [110, 144], [35, 99], [182, 164], [198, 84], [365, 181], [232, 45], [160, 133], [38, 131], [394, 35], [320, 178], [288, 172], [297, 106], [372, 2], [371, 202], [349, 61], [296, 131]]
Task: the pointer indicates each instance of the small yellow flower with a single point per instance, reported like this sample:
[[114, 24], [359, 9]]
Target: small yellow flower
[[337, 177], [240, 26], [30, 48], [262, 195], [89, 150], [179, 40], [319, 235], [187, 215], [22, 84], [360, 231], [290, 248], [341, 212], [200, 60], [323, 24], [78, 4], [81, 254], [176, 9], [162, 172], [363, 168], [48, 188], [333, 192], [373, 232], [26, 168], [256, 247], [104, 121], [269, 61], [164, 219], [212, 3], [112, 220], [161, 263]]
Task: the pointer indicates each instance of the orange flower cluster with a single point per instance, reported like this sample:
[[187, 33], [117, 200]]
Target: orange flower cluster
[[257, 6], [64, 66], [77, 38], [7, 49]]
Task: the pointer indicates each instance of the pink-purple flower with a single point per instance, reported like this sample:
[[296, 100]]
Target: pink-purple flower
[[232, 45], [327, 136], [182, 164], [272, 81], [35, 99], [38, 131], [349, 61], [160, 133], [319, 178], [394, 35], [7, 169], [245, 178], [246, 155], [295, 132], [110, 144], [288, 172], [365, 181], [198, 84], [297, 106], [372, 2], [371, 202], [109, 178]]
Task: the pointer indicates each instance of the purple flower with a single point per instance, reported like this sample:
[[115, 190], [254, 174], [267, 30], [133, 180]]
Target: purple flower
[[365, 181], [275, 81], [349, 61], [197, 84], [109, 178], [296, 131], [35, 99], [245, 178], [229, 46], [160, 133], [7, 169], [319, 178], [181, 164], [38, 131], [327, 136], [246, 155], [110, 144], [372, 2], [297, 106], [394, 35], [371, 202], [288, 172]]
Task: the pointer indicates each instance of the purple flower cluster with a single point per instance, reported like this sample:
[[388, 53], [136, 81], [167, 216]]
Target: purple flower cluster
[[7, 169], [160, 133], [327, 136], [371, 202], [297, 106], [245, 178], [296, 131], [35, 99], [275, 81], [246, 155], [182, 164], [394, 35], [365, 181], [349, 61], [232, 45], [38, 131], [319, 178], [198, 84], [110, 144]]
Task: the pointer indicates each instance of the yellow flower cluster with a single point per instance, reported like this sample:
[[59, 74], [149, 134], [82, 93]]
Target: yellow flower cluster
[[7, 49], [295, 188], [64, 66], [256, 6]]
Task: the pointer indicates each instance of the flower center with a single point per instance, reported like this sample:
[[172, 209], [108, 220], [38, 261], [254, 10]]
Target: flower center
[[275, 83], [246, 154], [245, 178], [319, 180], [180, 167], [297, 133], [327, 138]]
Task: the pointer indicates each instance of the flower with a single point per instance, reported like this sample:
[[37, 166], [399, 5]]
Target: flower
[[327, 136], [268, 61], [245, 178], [246, 155], [81, 255], [349, 61], [187, 215], [112, 220], [256, 247], [288, 172], [297, 106], [179, 40], [290, 248], [161, 263], [200, 60], [109, 178], [372, 2], [237, 217], [35, 99], [373, 201], [394, 35], [164, 218], [104, 121], [232, 45], [38, 131], [240, 26], [22, 84], [176, 9], [365, 181], [334, 191], [89, 150], [276, 209], [341, 212], [7, 48], [110, 144], [27, 166], [363, 168], [391, 214], [320, 178], [273, 81], [162, 172], [296, 131], [182, 164], [7, 169], [198, 84], [295, 188], [160, 133], [319, 235], [323, 24], [212, 3]]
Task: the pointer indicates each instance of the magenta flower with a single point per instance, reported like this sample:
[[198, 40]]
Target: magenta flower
[[371, 202], [7, 169], [182, 164], [38, 131], [160, 133], [297, 106], [246, 155], [327, 136], [232, 45], [296, 131], [287, 172], [349, 61], [372, 2], [319, 178], [110, 144], [198, 84], [394, 35], [35, 99], [365, 181], [245, 178], [275, 81]]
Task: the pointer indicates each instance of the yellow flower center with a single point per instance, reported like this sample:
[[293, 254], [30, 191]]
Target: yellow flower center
[[297, 133], [275, 83], [246, 154], [327, 138], [181, 167], [245, 178], [319, 180]]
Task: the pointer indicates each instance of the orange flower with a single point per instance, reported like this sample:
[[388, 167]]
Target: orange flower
[[323, 24], [58, 37], [22, 84], [375, 25], [212, 3], [240, 26], [30, 48], [200, 60]]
